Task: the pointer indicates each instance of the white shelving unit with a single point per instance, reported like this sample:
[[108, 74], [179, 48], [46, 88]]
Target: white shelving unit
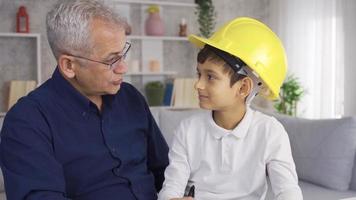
[[37, 60], [35, 36], [152, 47]]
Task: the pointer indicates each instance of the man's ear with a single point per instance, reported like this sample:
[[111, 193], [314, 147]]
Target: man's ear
[[67, 65], [246, 85]]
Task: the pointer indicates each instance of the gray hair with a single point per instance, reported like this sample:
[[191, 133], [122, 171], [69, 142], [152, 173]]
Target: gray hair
[[68, 24]]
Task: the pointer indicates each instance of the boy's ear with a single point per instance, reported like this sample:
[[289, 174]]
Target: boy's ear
[[246, 85], [67, 65]]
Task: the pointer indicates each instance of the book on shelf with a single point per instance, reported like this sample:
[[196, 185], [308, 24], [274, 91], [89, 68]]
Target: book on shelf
[[18, 89], [184, 94], [167, 99]]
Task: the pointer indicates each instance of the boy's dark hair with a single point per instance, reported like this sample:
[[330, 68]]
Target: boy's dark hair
[[207, 53]]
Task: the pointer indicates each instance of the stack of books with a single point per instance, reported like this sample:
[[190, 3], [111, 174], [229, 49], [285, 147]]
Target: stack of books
[[183, 93], [18, 89]]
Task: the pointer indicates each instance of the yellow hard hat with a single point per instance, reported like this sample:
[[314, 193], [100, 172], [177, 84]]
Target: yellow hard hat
[[255, 44]]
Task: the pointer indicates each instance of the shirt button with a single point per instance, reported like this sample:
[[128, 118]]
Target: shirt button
[[84, 114]]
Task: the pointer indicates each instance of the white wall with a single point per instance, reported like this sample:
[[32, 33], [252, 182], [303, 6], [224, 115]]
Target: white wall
[[332, 61], [350, 58]]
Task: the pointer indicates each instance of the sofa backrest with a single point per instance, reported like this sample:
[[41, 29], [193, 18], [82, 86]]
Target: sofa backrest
[[323, 150]]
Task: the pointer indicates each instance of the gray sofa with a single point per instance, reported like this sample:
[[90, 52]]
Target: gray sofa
[[323, 150]]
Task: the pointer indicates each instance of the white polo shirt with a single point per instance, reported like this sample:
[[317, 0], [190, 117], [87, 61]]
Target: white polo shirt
[[231, 164]]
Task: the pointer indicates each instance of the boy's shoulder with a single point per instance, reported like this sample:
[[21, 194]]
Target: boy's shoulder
[[262, 116], [263, 119]]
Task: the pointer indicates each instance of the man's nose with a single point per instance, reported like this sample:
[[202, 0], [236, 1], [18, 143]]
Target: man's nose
[[121, 68]]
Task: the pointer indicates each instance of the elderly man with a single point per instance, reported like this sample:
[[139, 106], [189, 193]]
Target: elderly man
[[84, 134]]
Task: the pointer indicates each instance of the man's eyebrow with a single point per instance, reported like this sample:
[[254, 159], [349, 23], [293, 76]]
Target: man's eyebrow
[[112, 55]]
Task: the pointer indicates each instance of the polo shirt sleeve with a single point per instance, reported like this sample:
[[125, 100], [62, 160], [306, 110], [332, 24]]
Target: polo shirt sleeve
[[178, 170], [27, 156], [280, 165]]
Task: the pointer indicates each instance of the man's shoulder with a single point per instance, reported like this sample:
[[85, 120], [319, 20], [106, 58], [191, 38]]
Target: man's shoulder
[[128, 90], [32, 101], [128, 95]]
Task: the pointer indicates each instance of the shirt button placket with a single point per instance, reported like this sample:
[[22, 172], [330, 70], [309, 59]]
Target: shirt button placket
[[107, 139], [226, 161]]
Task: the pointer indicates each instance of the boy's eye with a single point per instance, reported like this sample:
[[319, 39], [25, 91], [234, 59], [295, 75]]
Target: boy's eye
[[210, 77]]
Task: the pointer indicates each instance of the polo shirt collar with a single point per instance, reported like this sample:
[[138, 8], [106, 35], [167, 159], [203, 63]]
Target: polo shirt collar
[[239, 132]]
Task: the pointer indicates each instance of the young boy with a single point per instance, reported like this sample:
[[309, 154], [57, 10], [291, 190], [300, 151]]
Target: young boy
[[229, 152]]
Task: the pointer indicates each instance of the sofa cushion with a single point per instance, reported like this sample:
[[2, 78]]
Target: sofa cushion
[[314, 192], [323, 150], [353, 180], [2, 189]]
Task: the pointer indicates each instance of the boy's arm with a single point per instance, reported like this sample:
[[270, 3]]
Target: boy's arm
[[178, 170], [281, 167]]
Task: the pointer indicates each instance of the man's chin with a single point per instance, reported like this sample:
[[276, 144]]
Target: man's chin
[[113, 91]]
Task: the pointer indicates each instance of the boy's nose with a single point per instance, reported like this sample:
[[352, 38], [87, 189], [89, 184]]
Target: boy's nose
[[199, 85]]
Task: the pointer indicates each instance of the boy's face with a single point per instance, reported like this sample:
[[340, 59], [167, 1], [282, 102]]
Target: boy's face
[[214, 89]]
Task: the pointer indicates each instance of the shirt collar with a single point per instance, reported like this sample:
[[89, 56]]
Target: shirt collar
[[240, 131], [71, 95]]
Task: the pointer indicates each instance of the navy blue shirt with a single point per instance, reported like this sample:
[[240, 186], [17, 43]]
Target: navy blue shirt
[[56, 144]]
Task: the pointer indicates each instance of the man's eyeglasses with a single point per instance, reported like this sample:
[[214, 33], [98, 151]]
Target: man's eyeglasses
[[114, 63]]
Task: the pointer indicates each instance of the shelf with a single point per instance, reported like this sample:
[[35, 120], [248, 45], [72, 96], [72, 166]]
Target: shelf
[[139, 37], [36, 36], [27, 46], [150, 73], [25, 35], [161, 3]]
